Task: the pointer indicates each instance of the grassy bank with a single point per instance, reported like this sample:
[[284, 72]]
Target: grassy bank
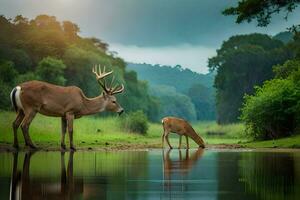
[[92, 132]]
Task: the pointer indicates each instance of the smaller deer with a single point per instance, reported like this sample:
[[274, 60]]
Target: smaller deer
[[182, 128]]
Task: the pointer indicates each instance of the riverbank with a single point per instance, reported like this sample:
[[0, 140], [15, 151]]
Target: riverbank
[[91, 133]]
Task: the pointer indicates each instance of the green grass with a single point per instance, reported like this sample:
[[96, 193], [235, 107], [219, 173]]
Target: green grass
[[100, 132], [289, 142]]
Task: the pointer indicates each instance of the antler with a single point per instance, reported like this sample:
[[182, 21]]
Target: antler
[[118, 89], [101, 75]]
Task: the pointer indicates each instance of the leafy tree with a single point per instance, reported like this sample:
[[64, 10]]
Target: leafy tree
[[274, 110], [70, 29], [203, 99], [7, 79], [51, 70], [174, 103], [262, 11], [7, 72], [243, 62]]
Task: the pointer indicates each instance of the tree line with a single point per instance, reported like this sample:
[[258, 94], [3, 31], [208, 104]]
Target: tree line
[[258, 76], [46, 49], [181, 92]]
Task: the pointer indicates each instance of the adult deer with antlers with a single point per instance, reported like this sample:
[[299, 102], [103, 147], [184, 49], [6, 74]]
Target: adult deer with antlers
[[69, 103]]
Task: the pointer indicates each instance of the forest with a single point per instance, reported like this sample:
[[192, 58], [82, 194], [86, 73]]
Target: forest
[[46, 49], [253, 78], [181, 92]]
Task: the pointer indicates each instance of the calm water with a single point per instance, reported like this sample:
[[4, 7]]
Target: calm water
[[194, 174]]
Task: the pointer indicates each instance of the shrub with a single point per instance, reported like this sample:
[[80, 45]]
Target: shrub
[[273, 110], [51, 70], [135, 122]]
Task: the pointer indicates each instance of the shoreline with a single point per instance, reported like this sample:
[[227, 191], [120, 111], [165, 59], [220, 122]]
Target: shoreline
[[7, 148]]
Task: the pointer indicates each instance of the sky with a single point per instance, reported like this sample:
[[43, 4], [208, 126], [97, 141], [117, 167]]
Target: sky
[[166, 32]]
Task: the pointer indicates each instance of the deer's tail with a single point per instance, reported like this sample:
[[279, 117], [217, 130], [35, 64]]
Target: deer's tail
[[15, 98]]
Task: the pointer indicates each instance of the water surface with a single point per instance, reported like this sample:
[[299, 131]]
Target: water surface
[[155, 174]]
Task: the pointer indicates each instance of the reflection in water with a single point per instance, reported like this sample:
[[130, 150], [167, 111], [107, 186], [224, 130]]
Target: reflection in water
[[182, 164], [270, 176], [176, 170], [174, 174], [23, 187]]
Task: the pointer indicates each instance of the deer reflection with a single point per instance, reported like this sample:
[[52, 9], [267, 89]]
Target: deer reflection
[[24, 187], [180, 167]]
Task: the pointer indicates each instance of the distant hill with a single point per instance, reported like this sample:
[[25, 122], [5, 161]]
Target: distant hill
[[177, 77], [284, 36], [180, 92]]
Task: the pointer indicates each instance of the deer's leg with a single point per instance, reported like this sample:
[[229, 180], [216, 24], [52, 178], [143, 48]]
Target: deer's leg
[[16, 124], [167, 139], [163, 140], [63, 132], [70, 119], [29, 115], [180, 137], [187, 142]]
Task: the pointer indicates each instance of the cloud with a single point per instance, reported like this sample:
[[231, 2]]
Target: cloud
[[193, 57]]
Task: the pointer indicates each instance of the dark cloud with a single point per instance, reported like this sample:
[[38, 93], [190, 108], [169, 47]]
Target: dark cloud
[[147, 22]]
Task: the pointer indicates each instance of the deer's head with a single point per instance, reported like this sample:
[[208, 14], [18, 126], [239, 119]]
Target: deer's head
[[110, 101]]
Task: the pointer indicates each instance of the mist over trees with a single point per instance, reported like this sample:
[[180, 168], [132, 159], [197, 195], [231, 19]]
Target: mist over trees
[[180, 92], [46, 49]]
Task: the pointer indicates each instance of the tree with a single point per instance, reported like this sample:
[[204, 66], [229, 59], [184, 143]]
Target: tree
[[243, 62], [274, 109], [51, 70], [247, 10], [204, 101], [7, 72], [46, 49], [7, 80], [70, 29], [174, 103]]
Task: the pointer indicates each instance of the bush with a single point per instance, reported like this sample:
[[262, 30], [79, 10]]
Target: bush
[[136, 122], [273, 110], [51, 70]]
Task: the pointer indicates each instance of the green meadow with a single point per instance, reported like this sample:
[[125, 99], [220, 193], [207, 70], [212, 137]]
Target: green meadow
[[107, 133]]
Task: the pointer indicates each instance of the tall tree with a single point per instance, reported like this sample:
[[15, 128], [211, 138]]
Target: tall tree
[[243, 62]]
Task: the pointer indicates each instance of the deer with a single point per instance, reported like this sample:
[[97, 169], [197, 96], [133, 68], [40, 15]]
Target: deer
[[68, 103], [182, 128]]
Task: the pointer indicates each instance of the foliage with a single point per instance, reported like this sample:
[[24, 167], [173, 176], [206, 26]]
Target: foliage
[[273, 111], [7, 79], [247, 10], [136, 122], [204, 100], [243, 62], [174, 103], [181, 79], [285, 36], [172, 88], [51, 70], [44, 48], [7, 72]]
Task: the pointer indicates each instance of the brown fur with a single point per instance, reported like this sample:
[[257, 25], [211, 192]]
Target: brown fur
[[182, 128], [57, 101]]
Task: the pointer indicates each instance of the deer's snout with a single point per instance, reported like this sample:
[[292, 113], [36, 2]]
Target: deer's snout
[[121, 111]]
